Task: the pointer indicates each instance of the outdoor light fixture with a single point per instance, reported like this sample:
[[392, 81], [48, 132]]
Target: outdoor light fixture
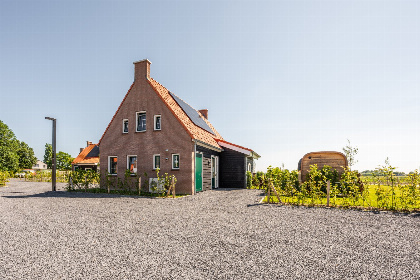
[[53, 175]]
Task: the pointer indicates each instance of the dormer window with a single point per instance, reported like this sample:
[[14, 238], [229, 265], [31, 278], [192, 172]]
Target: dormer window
[[157, 122], [125, 126], [141, 122]]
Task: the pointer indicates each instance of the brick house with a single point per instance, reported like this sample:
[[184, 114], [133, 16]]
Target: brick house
[[88, 158], [153, 128]]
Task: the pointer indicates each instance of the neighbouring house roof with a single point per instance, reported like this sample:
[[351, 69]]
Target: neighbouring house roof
[[89, 155]]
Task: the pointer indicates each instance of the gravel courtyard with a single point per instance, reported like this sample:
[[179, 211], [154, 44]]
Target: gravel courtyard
[[223, 234]]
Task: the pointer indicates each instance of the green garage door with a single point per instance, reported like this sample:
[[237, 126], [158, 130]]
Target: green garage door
[[198, 172]]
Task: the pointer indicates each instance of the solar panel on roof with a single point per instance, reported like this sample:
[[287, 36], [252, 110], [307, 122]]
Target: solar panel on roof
[[192, 114], [94, 152]]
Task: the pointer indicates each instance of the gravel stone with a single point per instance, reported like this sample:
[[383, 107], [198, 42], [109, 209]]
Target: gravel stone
[[222, 234]]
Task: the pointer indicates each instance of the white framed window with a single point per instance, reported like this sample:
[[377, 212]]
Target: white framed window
[[140, 121], [125, 125], [156, 161], [112, 165], [132, 164], [249, 167], [157, 122], [175, 161]]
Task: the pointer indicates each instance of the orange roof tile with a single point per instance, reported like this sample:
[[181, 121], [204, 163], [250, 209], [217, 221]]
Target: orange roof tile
[[82, 156], [91, 160]]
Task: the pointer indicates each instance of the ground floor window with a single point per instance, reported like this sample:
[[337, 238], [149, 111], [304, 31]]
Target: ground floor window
[[132, 164], [156, 161], [175, 161], [112, 167]]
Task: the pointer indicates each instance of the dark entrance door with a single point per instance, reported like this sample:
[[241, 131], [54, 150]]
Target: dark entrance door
[[198, 172]]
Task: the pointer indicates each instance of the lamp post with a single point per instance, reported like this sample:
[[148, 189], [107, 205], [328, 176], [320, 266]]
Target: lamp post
[[53, 179]]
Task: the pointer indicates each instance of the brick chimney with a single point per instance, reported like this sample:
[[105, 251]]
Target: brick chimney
[[205, 113], [88, 143], [142, 69]]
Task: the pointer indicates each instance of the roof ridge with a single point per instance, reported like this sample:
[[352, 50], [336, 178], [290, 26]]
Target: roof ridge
[[195, 131], [171, 92], [179, 98]]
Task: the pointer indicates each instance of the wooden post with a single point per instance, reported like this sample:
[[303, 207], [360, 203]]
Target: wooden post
[[86, 183], [173, 189], [328, 193], [139, 185], [275, 192], [71, 183], [169, 190], [269, 192]]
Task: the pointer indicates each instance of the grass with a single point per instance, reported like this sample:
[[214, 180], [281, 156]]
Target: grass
[[123, 192], [369, 201]]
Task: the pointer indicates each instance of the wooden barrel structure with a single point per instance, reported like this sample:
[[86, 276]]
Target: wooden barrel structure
[[336, 160]]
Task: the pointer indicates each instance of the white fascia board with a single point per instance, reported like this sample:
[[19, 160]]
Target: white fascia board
[[208, 146], [235, 148]]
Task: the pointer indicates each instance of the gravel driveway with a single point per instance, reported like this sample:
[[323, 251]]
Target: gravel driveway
[[223, 234]]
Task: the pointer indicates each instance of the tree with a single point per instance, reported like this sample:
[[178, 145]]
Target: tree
[[7, 137], [9, 160], [350, 153], [48, 155], [26, 156], [64, 161], [14, 155]]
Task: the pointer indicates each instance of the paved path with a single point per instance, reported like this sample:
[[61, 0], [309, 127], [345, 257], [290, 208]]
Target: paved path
[[222, 234]]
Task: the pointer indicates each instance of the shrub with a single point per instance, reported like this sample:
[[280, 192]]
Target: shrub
[[4, 178]]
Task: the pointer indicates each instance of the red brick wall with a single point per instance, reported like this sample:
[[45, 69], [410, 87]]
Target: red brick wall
[[172, 136]]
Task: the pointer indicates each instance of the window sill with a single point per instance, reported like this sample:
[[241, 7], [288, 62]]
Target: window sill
[[157, 129], [141, 131]]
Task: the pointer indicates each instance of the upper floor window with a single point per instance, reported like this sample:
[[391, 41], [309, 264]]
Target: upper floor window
[[132, 164], [158, 120], [112, 165], [125, 126], [141, 121], [156, 161], [175, 161]]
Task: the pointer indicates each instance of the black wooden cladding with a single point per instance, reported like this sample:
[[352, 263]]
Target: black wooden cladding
[[207, 153], [232, 169]]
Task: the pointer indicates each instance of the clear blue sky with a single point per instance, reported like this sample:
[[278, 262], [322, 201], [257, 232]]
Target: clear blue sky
[[281, 77]]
